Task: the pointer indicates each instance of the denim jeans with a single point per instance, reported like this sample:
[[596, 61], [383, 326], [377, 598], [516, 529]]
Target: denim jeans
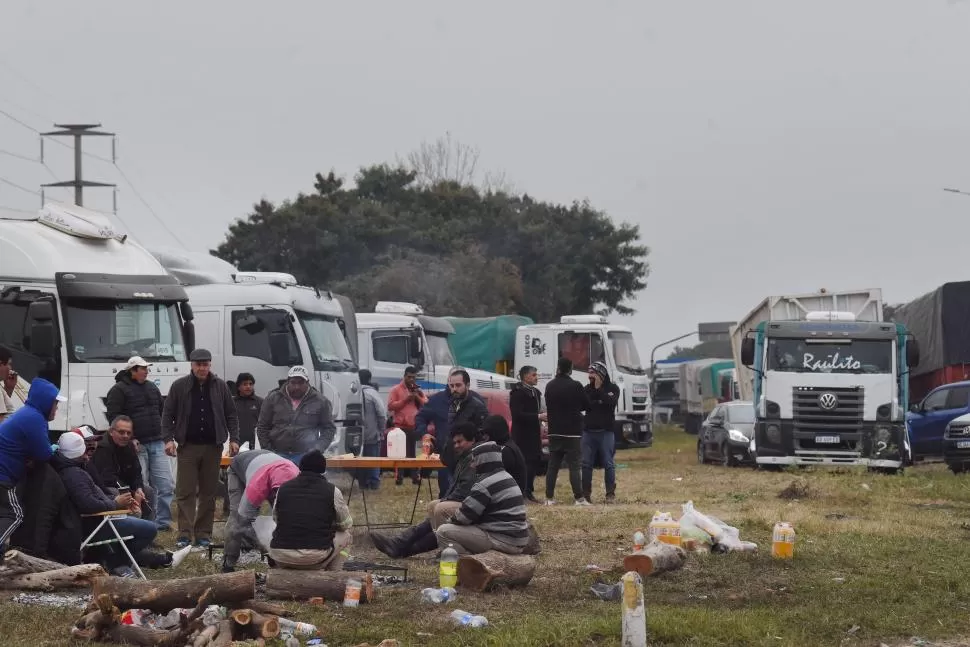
[[602, 443], [370, 477], [293, 458], [142, 532], [156, 470]]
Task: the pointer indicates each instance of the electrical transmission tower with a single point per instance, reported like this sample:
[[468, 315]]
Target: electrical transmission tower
[[79, 131]]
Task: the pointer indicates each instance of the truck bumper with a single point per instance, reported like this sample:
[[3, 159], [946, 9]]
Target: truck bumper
[[956, 451], [875, 444], [633, 432]]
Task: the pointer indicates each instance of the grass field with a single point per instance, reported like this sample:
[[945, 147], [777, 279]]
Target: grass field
[[879, 559]]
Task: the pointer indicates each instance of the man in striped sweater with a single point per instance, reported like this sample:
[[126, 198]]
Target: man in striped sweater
[[493, 516], [254, 478]]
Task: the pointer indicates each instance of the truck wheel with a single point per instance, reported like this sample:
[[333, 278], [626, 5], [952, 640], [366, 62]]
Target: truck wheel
[[727, 459], [957, 468]]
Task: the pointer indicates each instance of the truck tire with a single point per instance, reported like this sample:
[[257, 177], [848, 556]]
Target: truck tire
[[957, 468]]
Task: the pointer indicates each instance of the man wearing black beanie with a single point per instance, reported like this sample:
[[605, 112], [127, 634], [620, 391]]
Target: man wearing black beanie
[[312, 520]]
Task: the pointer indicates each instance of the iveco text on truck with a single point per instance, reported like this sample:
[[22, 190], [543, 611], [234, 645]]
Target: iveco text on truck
[[828, 379]]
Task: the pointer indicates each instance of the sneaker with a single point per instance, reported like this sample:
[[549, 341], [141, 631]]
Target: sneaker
[[123, 571], [531, 498], [204, 544], [582, 501], [182, 542], [550, 502], [179, 556]]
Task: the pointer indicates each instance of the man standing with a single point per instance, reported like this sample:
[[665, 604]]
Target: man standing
[[23, 437], [296, 418], [598, 436], [525, 404], [565, 403], [375, 420], [200, 416], [248, 406], [6, 406], [135, 396], [404, 401], [254, 478]]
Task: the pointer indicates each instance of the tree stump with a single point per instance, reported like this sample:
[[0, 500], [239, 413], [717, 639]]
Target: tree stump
[[16, 562], [291, 584], [164, 595], [66, 577], [487, 570], [655, 558]]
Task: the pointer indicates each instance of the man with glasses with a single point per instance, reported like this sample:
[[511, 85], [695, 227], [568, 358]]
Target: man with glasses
[[117, 463]]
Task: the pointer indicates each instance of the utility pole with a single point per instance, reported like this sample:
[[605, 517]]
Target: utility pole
[[78, 131]]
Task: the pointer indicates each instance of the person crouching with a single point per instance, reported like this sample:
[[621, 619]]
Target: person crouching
[[312, 520]]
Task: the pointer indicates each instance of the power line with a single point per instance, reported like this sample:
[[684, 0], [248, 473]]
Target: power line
[[17, 186], [15, 120], [138, 195], [28, 211], [19, 156]]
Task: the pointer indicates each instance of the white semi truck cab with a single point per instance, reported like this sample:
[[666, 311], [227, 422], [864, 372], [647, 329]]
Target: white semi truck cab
[[265, 322], [399, 334], [77, 299], [586, 339]]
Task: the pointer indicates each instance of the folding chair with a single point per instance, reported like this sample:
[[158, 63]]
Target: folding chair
[[108, 518]]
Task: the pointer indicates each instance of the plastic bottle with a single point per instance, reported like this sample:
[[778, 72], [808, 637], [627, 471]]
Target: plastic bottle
[[465, 619], [439, 596], [427, 445], [397, 443], [664, 528], [639, 540], [448, 568], [297, 628], [352, 593], [783, 541]]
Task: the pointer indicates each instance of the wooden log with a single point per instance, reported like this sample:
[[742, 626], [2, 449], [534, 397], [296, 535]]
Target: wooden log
[[205, 636], [224, 637], [655, 558], [164, 595], [68, 577], [290, 584], [490, 569], [262, 606], [141, 636], [16, 562], [242, 616], [265, 626], [103, 624]]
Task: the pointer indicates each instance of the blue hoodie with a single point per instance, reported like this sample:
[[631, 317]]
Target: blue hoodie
[[23, 434]]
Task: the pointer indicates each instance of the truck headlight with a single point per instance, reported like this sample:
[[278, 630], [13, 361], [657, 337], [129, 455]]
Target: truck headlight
[[737, 436], [882, 434], [774, 433], [627, 427]]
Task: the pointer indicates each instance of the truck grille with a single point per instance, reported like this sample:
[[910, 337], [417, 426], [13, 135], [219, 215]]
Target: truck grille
[[489, 384], [828, 412], [958, 432]]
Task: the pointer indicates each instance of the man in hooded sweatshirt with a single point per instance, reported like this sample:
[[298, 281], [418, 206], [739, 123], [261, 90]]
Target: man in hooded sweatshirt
[[296, 418], [23, 437], [599, 441], [492, 516]]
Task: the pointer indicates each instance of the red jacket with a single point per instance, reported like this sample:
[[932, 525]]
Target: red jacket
[[403, 406]]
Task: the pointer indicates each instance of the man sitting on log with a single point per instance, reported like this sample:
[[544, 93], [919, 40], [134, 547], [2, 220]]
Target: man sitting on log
[[421, 538], [493, 516], [496, 429], [312, 520], [254, 477]]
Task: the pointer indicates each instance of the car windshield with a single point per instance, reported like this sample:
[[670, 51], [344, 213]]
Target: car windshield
[[625, 353], [742, 414], [439, 352], [808, 356], [113, 331], [327, 342]]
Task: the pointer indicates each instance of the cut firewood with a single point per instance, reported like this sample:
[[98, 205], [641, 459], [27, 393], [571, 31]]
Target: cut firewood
[[262, 606], [164, 595], [224, 637], [655, 558], [265, 626], [242, 616], [289, 584], [248, 624], [16, 562], [68, 577], [103, 625], [490, 569], [205, 636]]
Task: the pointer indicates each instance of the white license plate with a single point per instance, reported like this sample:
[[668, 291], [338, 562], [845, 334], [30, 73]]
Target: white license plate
[[828, 440], [963, 444]]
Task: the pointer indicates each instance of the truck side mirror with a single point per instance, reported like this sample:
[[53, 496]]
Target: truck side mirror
[[416, 346], [188, 334], [912, 353], [43, 337], [185, 309], [915, 407], [747, 351]]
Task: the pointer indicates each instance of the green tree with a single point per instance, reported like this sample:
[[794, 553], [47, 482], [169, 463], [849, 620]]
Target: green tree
[[456, 249]]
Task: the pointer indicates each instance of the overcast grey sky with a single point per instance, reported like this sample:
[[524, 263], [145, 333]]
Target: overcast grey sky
[[763, 146]]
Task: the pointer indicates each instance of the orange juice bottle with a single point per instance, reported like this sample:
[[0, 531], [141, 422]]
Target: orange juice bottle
[[665, 528], [783, 541]]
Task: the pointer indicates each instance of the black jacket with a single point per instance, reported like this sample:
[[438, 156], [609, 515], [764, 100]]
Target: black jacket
[[463, 479], [566, 401], [83, 492], [524, 403], [247, 410], [52, 526], [178, 404], [602, 406], [140, 402], [306, 517], [118, 465]]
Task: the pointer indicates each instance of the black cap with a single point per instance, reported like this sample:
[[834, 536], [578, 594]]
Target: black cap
[[200, 355], [313, 461]]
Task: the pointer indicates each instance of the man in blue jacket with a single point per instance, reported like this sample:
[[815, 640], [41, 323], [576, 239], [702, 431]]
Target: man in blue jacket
[[23, 436]]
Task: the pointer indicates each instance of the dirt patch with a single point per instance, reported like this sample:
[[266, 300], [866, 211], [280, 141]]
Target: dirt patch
[[798, 490]]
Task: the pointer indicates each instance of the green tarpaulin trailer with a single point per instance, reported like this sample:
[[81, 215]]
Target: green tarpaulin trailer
[[486, 343]]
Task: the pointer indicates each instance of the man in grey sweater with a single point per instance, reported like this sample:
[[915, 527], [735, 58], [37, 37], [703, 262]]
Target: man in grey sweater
[[296, 418]]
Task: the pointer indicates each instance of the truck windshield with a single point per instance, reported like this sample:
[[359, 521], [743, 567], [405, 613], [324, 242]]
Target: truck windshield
[[327, 342], [859, 356], [625, 353], [113, 331], [439, 352]]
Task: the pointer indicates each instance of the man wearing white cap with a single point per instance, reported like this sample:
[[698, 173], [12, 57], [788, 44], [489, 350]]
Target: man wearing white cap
[[296, 418], [23, 436], [135, 396]]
